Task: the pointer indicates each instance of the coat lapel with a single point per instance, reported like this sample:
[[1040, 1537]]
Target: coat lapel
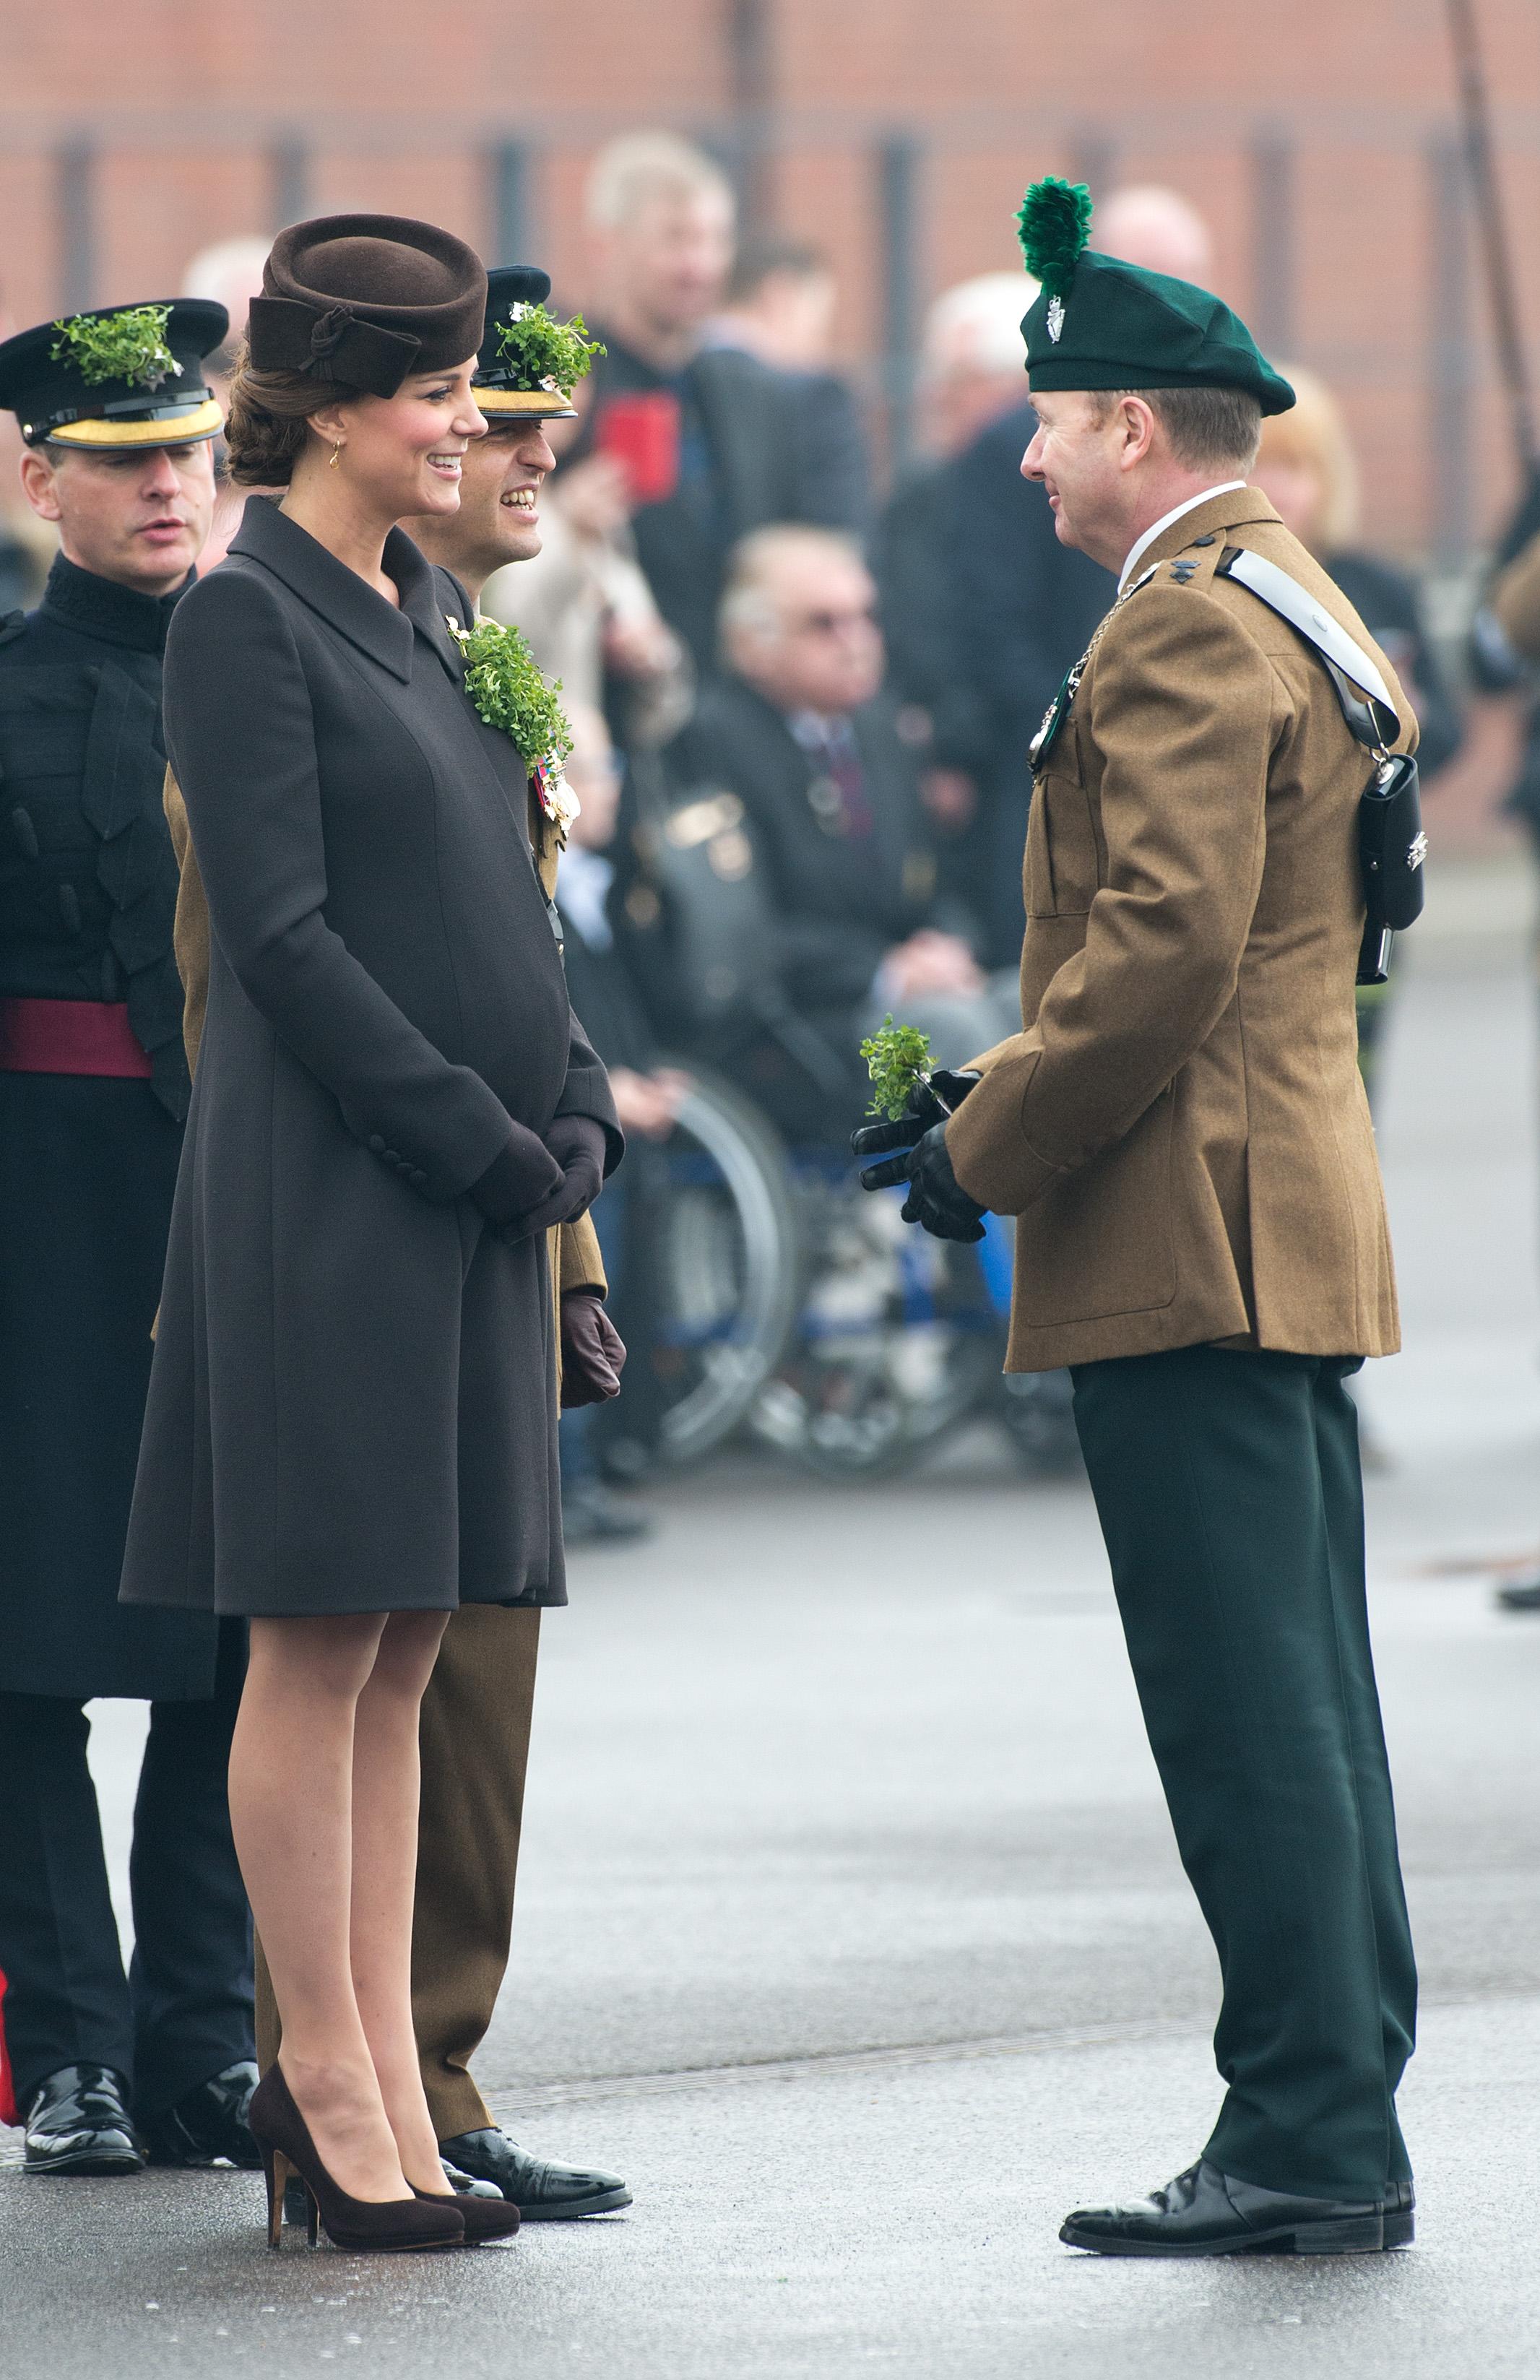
[[336, 593]]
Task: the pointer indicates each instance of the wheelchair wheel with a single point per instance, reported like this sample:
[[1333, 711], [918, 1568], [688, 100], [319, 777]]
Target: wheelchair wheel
[[895, 1344], [725, 1268]]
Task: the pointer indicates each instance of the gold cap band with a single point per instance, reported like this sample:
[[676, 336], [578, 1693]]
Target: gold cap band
[[172, 429], [534, 404]]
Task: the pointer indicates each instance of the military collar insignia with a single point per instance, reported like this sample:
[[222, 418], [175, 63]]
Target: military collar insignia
[[1058, 710], [1055, 319]]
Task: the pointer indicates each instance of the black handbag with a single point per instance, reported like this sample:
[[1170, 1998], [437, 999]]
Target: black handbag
[[1391, 843]]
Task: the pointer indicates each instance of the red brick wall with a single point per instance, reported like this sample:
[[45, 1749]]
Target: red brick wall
[[399, 106]]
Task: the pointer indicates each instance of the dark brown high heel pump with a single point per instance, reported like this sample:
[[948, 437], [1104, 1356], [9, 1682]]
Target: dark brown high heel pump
[[484, 2218], [391, 2224]]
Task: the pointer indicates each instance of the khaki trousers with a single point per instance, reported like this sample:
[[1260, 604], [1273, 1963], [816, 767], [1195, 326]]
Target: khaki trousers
[[475, 1744]]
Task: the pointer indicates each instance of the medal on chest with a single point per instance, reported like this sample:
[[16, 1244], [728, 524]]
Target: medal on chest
[[1058, 710]]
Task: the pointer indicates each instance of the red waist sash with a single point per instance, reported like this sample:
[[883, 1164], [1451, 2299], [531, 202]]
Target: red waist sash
[[68, 1037]]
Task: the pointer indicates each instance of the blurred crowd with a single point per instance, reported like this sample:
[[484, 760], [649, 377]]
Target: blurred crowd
[[801, 704]]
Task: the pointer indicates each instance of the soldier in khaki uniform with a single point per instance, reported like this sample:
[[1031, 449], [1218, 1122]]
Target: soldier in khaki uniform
[[474, 1731], [1181, 1131]]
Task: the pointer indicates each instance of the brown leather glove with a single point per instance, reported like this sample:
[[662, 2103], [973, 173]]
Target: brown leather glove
[[592, 1351]]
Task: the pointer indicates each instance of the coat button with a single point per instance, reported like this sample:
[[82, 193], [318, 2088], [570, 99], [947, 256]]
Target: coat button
[[377, 1146], [416, 1177]]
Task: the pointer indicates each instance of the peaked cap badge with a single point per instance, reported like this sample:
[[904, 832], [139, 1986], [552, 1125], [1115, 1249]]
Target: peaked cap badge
[[1055, 319]]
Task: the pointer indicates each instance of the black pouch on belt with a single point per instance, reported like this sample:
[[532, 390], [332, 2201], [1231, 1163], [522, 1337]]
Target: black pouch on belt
[[1391, 849]]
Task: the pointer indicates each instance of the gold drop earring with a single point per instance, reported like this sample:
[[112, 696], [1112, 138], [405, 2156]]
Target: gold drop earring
[[337, 454]]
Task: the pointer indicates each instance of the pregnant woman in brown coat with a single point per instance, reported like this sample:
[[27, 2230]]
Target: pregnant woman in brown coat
[[351, 1427]]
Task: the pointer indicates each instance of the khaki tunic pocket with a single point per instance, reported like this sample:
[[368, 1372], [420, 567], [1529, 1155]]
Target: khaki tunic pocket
[[1099, 1241]]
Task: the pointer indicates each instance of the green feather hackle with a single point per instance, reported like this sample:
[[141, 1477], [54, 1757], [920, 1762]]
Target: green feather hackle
[[129, 345], [1053, 226]]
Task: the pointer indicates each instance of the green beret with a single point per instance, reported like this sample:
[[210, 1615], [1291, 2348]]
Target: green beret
[[1098, 322]]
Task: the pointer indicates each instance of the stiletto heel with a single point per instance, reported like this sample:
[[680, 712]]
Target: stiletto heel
[[276, 2166], [284, 2137]]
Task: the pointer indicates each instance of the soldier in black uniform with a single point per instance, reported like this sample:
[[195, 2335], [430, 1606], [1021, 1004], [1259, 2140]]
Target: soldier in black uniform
[[107, 2070]]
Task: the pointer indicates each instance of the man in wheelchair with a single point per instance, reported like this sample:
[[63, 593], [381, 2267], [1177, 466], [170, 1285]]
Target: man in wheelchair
[[794, 863]]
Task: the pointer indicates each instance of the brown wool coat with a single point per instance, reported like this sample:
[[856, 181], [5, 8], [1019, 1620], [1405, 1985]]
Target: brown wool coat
[[1516, 600], [575, 1262], [1181, 1129]]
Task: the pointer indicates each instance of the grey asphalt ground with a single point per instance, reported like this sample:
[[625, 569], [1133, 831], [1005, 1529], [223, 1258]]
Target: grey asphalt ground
[[850, 1931]]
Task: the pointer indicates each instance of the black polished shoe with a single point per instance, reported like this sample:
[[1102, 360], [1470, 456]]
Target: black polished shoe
[[1400, 2214], [543, 2194], [1521, 1594], [78, 2124], [1207, 2213], [207, 2126]]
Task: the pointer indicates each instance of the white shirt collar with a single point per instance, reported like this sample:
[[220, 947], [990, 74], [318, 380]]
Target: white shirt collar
[[1141, 547]]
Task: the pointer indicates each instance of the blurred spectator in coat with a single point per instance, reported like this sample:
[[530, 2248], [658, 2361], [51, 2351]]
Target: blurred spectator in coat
[[230, 274], [780, 306], [701, 444], [798, 728], [970, 375], [586, 607], [647, 1100]]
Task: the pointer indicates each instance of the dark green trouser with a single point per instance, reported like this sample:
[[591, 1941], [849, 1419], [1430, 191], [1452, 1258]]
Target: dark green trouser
[[1229, 1489]]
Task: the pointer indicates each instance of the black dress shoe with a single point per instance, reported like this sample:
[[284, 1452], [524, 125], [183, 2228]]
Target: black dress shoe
[[1207, 2213], [207, 2126], [1400, 2214], [543, 2194], [78, 2124]]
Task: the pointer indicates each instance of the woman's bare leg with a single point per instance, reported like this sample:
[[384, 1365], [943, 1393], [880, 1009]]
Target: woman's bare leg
[[386, 1795], [291, 1806]]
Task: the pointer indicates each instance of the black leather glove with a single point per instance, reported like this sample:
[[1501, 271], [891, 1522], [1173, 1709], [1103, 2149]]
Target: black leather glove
[[593, 1353], [577, 1143], [521, 1175], [936, 1198], [930, 1103]]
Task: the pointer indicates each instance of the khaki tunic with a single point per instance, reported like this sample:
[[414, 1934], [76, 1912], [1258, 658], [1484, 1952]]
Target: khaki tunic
[[1180, 1128], [1516, 600], [575, 1262]]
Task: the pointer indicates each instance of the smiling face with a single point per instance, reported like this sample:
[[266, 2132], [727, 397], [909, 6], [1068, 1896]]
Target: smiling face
[[1086, 451], [498, 520], [401, 455], [140, 517]]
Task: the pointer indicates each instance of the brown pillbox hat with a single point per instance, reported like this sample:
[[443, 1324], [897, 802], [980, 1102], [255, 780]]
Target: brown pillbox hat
[[365, 300]]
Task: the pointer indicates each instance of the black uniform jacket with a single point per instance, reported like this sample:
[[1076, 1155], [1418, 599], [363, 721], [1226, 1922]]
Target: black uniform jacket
[[87, 1163], [353, 1405]]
